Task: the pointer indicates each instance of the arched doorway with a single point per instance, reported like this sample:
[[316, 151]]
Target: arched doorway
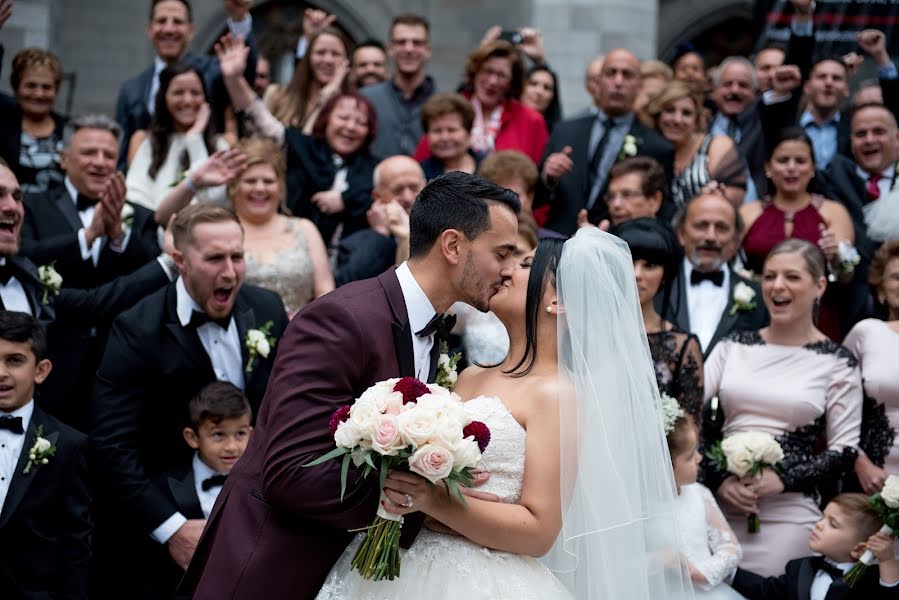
[[717, 28]]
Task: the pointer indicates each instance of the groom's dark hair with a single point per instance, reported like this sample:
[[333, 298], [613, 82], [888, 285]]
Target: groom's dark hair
[[455, 200]]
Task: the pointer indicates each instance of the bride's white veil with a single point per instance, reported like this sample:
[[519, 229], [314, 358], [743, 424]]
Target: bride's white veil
[[619, 535]]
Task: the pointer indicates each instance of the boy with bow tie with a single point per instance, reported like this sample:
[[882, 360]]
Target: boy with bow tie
[[849, 526], [45, 524]]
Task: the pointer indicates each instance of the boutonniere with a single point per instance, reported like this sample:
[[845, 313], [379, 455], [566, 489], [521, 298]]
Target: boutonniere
[[744, 298], [446, 367], [127, 216], [848, 258], [259, 344], [40, 452], [629, 147], [51, 280]]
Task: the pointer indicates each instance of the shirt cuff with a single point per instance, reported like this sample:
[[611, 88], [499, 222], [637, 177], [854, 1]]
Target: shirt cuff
[[302, 46], [241, 29], [888, 72], [770, 98], [169, 527], [802, 28], [117, 247], [82, 244]]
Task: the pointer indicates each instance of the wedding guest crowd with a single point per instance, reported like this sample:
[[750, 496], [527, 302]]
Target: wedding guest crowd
[[150, 262]]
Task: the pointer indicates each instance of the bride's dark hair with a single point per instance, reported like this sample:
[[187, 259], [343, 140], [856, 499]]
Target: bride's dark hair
[[543, 272]]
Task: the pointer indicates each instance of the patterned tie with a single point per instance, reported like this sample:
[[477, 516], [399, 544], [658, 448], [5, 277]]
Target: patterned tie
[[873, 189]]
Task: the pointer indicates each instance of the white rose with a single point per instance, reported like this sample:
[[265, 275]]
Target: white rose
[[443, 361], [630, 148], [451, 377], [41, 445], [417, 426], [743, 293], [254, 336], [890, 492], [448, 431], [364, 415], [431, 462], [127, 212], [386, 438], [773, 454], [347, 435], [466, 454]]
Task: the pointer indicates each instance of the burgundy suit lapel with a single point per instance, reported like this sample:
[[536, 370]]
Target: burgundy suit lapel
[[402, 332]]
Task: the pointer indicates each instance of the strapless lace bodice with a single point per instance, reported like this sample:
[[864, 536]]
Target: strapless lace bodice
[[444, 567], [504, 456]]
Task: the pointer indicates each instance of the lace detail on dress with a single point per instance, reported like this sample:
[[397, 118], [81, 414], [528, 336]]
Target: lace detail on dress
[[677, 369], [747, 338], [289, 274], [831, 347], [806, 471], [877, 433], [708, 541]]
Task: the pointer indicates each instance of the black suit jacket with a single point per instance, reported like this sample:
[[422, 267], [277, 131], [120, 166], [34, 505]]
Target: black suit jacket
[[571, 193], [50, 235], [678, 310], [796, 584], [131, 106], [45, 524], [151, 368], [363, 255], [310, 169]]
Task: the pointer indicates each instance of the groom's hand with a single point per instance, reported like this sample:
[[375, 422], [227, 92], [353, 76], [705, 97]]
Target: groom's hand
[[183, 543]]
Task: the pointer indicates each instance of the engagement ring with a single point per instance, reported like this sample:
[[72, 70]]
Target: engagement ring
[[407, 503]]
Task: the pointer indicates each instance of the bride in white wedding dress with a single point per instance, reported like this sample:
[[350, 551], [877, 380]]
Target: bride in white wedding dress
[[577, 457]]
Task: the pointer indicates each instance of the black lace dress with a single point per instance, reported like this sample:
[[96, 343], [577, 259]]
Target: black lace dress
[[810, 399], [677, 358]]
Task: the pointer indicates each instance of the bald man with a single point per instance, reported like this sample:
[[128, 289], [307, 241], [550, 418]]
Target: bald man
[[370, 252], [581, 151]]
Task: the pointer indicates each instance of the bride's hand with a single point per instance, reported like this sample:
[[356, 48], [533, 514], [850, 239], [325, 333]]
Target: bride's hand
[[408, 493]]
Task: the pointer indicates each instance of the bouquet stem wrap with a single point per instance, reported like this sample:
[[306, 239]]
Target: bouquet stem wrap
[[379, 555], [858, 569]]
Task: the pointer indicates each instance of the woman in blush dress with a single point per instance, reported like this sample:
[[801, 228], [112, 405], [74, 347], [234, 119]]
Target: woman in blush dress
[[875, 344], [791, 381]]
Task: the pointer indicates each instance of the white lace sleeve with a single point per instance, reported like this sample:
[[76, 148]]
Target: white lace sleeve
[[264, 122], [726, 552]]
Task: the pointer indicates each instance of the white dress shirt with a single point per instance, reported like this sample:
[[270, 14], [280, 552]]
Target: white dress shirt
[[202, 471], [887, 178], [11, 445], [223, 349], [821, 582], [420, 311], [13, 295], [706, 303], [86, 216]]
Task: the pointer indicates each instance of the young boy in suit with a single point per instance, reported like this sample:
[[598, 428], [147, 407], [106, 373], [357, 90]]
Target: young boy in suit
[[45, 524], [219, 430], [849, 526]]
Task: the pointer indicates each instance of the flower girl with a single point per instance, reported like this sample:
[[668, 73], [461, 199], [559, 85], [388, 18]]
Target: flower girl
[[706, 540]]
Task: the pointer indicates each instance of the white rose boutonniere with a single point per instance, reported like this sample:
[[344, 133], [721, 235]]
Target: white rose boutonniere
[[744, 298], [51, 280], [446, 367], [40, 451], [629, 147], [127, 216], [259, 344]]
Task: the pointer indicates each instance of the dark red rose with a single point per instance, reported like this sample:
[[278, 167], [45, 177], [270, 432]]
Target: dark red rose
[[480, 432], [411, 389], [337, 417]]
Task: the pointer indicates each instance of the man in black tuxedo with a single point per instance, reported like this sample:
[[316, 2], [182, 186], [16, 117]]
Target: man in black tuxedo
[[22, 290], [63, 226], [703, 297], [159, 355], [45, 524], [171, 30], [369, 252], [581, 151]]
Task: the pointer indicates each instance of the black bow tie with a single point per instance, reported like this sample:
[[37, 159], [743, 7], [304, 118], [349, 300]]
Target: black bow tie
[[13, 424], [82, 202], [440, 326], [214, 481], [697, 277], [197, 319], [5, 273], [820, 564]]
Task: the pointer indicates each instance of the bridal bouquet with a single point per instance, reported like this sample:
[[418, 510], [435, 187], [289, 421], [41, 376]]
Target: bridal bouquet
[[403, 424], [747, 453], [886, 502]]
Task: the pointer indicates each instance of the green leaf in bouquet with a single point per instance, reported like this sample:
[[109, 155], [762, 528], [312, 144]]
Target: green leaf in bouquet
[[383, 475], [344, 469], [369, 463], [889, 515], [717, 456], [326, 457]]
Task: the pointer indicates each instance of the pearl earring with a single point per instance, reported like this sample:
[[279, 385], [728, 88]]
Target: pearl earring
[[549, 309]]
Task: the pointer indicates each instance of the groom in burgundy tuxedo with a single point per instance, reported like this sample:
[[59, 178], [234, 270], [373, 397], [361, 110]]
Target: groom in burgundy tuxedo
[[277, 528]]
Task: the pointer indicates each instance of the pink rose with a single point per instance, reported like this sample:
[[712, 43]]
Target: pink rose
[[394, 404], [431, 462], [386, 439]]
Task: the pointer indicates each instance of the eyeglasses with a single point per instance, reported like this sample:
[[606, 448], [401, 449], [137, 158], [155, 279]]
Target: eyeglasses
[[624, 195]]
